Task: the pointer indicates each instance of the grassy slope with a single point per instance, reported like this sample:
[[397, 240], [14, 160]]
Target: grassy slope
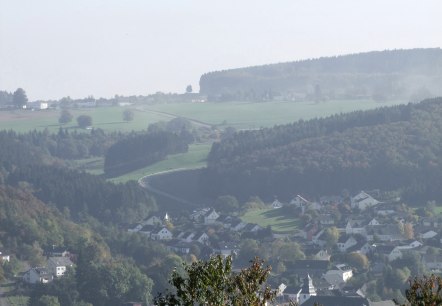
[[278, 219], [193, 159]]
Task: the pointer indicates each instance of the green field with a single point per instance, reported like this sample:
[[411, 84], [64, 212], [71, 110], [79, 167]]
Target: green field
[[193, 159], [278, 219], [240, 115], [106, 118]]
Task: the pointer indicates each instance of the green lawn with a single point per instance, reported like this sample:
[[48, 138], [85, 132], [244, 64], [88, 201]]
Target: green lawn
[[278, 219], [193, 159]]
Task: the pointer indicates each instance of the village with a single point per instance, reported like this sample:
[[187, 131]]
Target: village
[[343, 249]]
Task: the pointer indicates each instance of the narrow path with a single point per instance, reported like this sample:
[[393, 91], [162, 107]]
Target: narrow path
[[194, 121]]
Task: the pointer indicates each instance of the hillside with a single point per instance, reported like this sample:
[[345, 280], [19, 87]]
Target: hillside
[[388, 148], [409, 74]]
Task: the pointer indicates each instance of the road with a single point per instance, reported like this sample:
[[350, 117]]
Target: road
[[143, 182]]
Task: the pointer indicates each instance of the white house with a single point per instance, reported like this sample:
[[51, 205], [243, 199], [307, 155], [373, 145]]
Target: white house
[[162, 234], [340, 275], [276, 204], [363, 201], [4, 257], [210, 217], [58, 265], [374, 222], [38, 275]]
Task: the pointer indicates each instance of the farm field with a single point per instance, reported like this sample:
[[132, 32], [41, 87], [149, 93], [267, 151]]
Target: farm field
[[240, 115], [278, 219], [106, 118]]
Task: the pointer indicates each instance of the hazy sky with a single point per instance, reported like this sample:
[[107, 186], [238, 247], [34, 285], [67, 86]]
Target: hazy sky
[[56, 48]]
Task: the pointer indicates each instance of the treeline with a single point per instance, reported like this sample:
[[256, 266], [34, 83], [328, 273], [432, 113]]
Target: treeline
[[140, 150], [63, 145], [81, 194], [389, 148], [379, 75]]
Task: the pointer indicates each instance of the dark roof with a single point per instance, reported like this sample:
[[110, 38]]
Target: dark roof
[[310, 264], [337, 301]]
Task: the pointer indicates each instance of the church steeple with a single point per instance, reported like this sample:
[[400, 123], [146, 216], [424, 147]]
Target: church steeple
[[307, 290]]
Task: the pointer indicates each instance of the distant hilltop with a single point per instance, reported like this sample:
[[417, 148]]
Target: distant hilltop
[[397, 74]]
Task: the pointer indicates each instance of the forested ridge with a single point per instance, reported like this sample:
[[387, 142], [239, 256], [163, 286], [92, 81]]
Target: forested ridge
[[381, 74], [388, 148]]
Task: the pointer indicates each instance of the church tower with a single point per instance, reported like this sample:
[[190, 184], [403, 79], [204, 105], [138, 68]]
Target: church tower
[[307, 290]]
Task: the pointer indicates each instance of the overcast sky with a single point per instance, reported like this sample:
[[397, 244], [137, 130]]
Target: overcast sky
[[56, 48]]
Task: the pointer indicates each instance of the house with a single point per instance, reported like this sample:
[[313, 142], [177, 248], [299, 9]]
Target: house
[[299, 202], [38, 105], [161, 233], [56, 251], [251, 228], [387, 232], [201, 237], [4, 257], [226, 249], [58, 265], [210, 217], [238, 225], [276, 204], [345, 242], [363, 201], [38, 275], [318, 253], [326, 219], [355, 227], [180, 247], [341, 274], [373, 222], [198, 215]]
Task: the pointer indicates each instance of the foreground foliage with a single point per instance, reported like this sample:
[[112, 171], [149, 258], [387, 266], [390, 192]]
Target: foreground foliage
[[214, 283]]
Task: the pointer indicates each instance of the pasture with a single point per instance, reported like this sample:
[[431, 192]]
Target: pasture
[[241, 115]]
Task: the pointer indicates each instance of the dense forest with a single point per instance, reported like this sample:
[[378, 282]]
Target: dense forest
[[410, 74], [388, 148]]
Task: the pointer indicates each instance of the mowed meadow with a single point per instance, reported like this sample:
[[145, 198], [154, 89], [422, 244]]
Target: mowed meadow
[[240, 115]]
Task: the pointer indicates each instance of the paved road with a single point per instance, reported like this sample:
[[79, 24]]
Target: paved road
[[143, 182]]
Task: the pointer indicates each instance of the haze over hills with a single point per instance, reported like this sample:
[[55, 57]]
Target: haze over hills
[[408, 74]]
